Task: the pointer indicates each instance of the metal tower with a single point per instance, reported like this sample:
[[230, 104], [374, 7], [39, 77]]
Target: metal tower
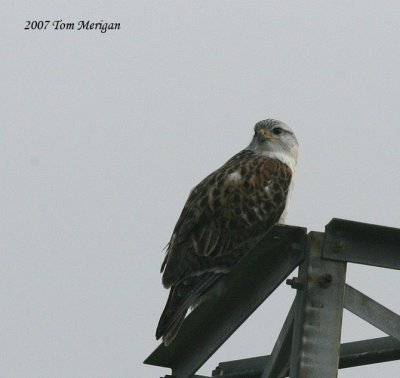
[[309, 342]]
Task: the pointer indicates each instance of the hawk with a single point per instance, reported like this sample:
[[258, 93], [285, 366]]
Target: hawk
[[225, 213]]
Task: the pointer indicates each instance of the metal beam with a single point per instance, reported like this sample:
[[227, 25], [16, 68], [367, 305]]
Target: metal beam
[[362, 243], [244, 368], [193, 376], [252, 280], [278, 363], [316, 314], [372, 351], [372, 312], [355, 353], [318, 320]]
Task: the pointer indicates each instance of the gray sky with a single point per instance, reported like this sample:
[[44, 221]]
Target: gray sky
[[104, 135]]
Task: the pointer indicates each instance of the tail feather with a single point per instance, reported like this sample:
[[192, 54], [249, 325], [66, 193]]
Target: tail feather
[[170, 335], [181, 297], [171, 314]]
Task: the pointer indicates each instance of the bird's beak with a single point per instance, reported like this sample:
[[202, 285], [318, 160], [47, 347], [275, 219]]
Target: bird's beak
[[262, 136]]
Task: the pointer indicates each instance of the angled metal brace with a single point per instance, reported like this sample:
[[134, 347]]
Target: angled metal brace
[[372, 312], [278, 363]]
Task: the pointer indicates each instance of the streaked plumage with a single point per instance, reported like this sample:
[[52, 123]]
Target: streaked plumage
[[225, 213]]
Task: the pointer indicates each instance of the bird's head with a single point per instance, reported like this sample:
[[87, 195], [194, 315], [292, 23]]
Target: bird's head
[[274, 137]]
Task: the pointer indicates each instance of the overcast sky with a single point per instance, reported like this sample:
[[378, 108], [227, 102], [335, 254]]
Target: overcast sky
[[104, 134]]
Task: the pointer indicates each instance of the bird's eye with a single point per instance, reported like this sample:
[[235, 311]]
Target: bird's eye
[[277, 130]]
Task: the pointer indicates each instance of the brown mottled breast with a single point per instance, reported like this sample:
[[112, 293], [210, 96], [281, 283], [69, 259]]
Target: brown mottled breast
[[238, 202]]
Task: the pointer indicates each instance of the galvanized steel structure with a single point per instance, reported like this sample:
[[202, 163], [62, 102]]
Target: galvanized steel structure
[[309, 342]]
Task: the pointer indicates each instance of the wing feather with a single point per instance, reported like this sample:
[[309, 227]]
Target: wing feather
[[239, 201]]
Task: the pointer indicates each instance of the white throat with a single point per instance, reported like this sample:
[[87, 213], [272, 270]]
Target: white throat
[[284, 157]]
